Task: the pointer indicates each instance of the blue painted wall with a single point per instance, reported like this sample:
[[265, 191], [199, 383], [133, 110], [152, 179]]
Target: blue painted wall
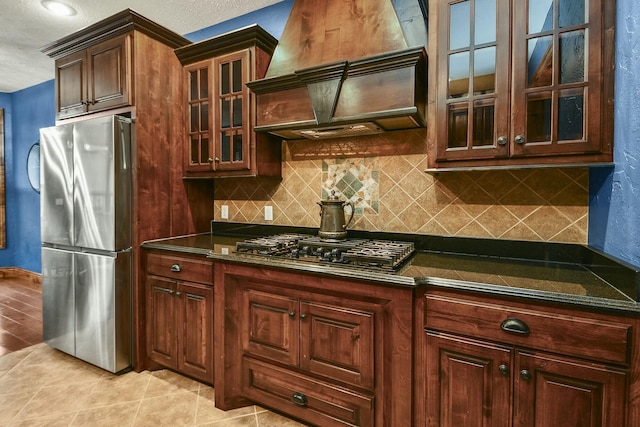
[[271, 18], [614, 205], [31, 109]]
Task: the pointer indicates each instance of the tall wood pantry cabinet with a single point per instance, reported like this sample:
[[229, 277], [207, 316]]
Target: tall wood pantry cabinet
[[125, 64], [220, 111], [516, 83]]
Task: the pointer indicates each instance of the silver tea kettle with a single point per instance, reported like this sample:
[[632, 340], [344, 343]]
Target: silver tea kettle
[[332, 218]]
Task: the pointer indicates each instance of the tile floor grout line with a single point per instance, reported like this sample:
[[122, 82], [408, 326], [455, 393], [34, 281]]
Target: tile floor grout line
[[146, 388], [15, 417]]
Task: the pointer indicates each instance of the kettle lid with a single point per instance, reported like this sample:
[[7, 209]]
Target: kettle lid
[[332, 197]]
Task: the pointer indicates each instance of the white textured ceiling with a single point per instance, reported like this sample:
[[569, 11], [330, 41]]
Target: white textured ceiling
[[25, 26]]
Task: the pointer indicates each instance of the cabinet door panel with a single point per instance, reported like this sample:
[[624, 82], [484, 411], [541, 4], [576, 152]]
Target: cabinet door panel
[[199, 150], [161, 331], [195, 331], [108, 74], [468, 382], [231, 101], [271, 326], [338, 343], [559, 58], [71, 85], [545, 387], [475, 96]]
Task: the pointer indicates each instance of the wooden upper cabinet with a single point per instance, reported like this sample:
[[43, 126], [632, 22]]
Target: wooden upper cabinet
[[220, 109], [521, 83], [96, 66], [94, 79]]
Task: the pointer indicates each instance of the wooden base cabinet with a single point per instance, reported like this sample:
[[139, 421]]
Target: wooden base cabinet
[[180, 314], [325, 351], [499, 363], [470, 382]]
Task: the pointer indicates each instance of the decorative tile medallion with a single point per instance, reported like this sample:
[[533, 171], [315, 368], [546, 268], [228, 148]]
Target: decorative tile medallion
[[353, 179]]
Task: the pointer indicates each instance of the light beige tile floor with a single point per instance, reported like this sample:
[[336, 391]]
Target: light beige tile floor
[[40, 386]]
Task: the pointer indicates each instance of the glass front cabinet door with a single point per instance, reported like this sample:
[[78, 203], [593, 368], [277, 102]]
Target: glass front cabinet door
[[232, 111], [521, 82], [199, 147]]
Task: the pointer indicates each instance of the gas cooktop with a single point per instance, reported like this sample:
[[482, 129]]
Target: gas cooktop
[[386, 255]]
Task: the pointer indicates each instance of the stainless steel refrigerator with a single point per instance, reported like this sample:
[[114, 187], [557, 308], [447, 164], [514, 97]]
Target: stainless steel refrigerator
[[86, 240]]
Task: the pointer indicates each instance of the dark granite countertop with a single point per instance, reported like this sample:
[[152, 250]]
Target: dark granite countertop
[[572, 274]]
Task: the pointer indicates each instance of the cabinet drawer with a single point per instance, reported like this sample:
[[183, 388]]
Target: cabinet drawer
[[593, 338], [180, 268], [317, 402]]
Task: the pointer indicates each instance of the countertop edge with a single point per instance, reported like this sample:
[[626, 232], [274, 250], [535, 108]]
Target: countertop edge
[[535, 295], [378, 277]]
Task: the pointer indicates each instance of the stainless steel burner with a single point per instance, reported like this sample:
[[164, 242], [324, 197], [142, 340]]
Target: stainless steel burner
[[361, 253]]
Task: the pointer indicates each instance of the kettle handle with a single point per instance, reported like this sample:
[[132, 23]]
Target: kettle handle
[[353, 210], [321, 207]]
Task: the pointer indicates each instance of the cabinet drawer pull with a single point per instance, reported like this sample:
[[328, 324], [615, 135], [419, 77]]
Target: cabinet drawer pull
[[299, 399], [526, 375], [504, 369], [176, 268], [303, 316], [502, 140], [178, 293], [515, 326], [292, 314]]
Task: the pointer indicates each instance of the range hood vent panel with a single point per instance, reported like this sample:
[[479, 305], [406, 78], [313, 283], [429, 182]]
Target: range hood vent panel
[[367, 76]]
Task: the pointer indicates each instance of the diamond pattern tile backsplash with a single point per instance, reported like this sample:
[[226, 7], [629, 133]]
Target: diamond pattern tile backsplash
[[383, 175]]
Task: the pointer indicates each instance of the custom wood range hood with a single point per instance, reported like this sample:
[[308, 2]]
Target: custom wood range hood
[[346, 67]]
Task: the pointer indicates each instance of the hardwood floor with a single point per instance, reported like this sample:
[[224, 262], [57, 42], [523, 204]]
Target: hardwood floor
[[20, 311]]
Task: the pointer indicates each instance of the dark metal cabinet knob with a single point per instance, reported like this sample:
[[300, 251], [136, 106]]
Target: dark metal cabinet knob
[[292, 314], [519, 139], [525, 374], [504, 369], [303, 316], [502, 140], [299, 399], [176, 268]]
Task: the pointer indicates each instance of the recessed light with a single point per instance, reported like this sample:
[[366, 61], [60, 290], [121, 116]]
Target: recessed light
[[58, 8]]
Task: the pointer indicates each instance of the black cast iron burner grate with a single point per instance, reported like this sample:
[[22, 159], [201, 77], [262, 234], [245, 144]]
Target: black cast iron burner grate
[[384, 255]]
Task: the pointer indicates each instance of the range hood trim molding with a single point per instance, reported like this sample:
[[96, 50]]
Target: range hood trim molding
[[343, 121], [404, 58], [374, 64]]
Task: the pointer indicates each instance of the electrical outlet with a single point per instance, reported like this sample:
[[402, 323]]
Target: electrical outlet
[[268, 213], [224, 212]]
